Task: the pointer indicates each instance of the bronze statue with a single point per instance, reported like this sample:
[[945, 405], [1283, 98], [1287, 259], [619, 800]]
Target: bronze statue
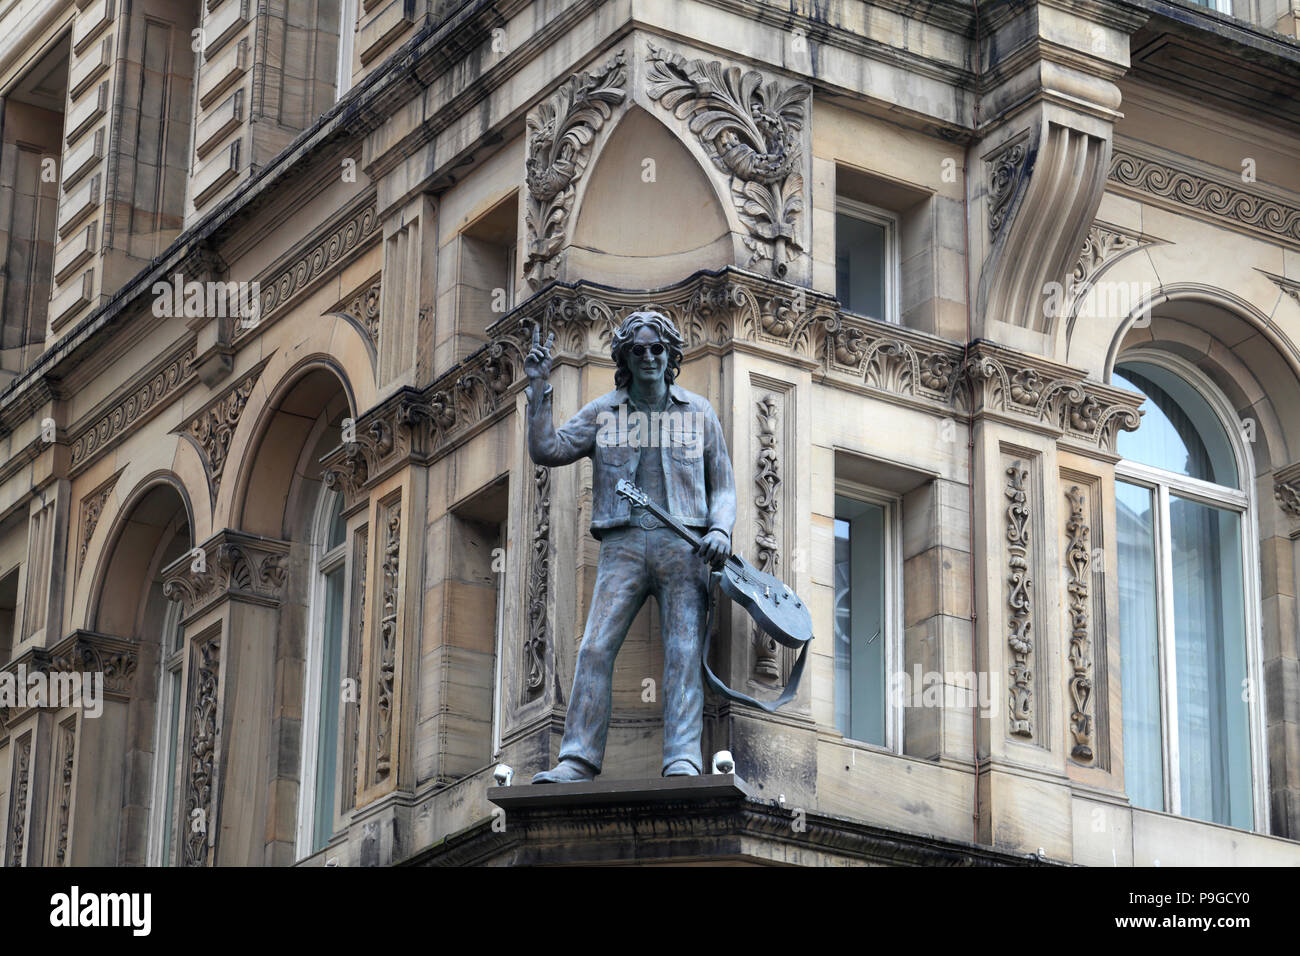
[[669, 443]]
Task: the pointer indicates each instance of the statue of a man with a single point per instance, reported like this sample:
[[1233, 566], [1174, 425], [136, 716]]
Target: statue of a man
[[668, 442]]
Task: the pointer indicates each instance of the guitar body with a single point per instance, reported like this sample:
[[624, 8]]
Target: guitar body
[[775, 608]]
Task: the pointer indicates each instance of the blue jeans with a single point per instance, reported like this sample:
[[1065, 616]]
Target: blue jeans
[[635, 563]]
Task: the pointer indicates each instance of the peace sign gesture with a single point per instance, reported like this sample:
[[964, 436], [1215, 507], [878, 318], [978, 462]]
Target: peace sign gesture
[[537, 364]]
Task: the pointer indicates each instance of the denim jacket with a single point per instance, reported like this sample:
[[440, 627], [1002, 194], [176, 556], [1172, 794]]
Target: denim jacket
[[700, 486]]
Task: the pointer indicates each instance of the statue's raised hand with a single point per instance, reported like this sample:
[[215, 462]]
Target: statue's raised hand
[[537, 364]]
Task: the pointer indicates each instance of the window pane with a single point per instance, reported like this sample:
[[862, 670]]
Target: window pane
[[1180, 432], [1210, 647], [338, 526], [860, 251], [330, 693], [860, 620], [1139, 659]]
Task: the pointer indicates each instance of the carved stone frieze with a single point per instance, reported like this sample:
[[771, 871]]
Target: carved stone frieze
[[204, 730], [1019, 604], [67, 751], [560, 137], [386, 652], [317, 258], [1002, 382], [212, 428], [1078, 558], [229, 564], [82, 652], [18, 802], [1213, 197], [135, 404], [92, 507], [767, 548], [753, 132], [539, 585]]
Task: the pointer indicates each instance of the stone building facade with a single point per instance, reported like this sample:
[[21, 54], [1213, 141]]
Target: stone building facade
[[999, 306]]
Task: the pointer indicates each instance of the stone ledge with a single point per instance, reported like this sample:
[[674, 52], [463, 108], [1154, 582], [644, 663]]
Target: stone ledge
[[710, 819]]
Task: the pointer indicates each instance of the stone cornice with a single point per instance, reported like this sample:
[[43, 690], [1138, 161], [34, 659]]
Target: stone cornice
[[82, 651], [1026, 390], [233, 564], [730, 310]]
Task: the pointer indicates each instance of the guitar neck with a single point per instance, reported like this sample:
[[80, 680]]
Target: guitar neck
[[685, 533]]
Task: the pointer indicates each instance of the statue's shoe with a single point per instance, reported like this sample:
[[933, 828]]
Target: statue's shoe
[[681, 768], [566, 771]]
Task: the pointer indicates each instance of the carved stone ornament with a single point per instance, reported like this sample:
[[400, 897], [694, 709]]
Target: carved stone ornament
[[753, 132], [390, 602], [229, 564], [1207, 196], [1102, 248], [211, 430], [715, 309], [1020, 604], [1004, 171], [320, 256], [138, 402], [539, 585], [67, 750], [362, 308], [1002, 383], [204, 729], [92, 507], [560, 137], [767, 553], [18, 808], [82, 652], [1078, 557], [1286, 491]]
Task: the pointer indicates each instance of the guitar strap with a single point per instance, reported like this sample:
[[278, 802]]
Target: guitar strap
[[791, 687]]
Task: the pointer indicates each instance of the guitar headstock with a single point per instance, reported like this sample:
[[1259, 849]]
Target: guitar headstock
[[632, 493]]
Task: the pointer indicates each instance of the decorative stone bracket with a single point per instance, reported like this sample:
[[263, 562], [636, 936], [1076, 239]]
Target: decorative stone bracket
[[229, 564]]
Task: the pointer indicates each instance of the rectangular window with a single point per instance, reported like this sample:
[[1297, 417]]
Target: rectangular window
[[865, 616], [347, 34], [866, 260]]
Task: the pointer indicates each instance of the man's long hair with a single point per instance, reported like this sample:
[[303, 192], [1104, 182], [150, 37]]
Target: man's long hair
[[626, 332]]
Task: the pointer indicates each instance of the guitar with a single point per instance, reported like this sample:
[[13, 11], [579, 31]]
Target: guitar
[[775, 608]]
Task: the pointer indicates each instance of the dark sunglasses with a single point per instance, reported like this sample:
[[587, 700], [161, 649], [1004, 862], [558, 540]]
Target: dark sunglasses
[[639, 350]]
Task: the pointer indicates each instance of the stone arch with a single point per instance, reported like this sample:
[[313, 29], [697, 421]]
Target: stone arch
[[154, 504], [328, 341], [687, 224], [152, 529], [277, 444]]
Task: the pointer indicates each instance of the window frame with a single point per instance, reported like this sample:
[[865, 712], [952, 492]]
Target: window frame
[[323, 563], [892, 631], [893, 254], [347, 47], [172, 670], [1164, 485]]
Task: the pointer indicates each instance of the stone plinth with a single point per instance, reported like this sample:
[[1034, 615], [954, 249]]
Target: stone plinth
[[712, 819]]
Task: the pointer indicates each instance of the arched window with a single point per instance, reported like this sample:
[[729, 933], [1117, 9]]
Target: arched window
[[318, 790], [1192, 740]]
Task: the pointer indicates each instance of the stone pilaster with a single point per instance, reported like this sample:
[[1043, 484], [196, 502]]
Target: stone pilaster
[[231, 588]]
